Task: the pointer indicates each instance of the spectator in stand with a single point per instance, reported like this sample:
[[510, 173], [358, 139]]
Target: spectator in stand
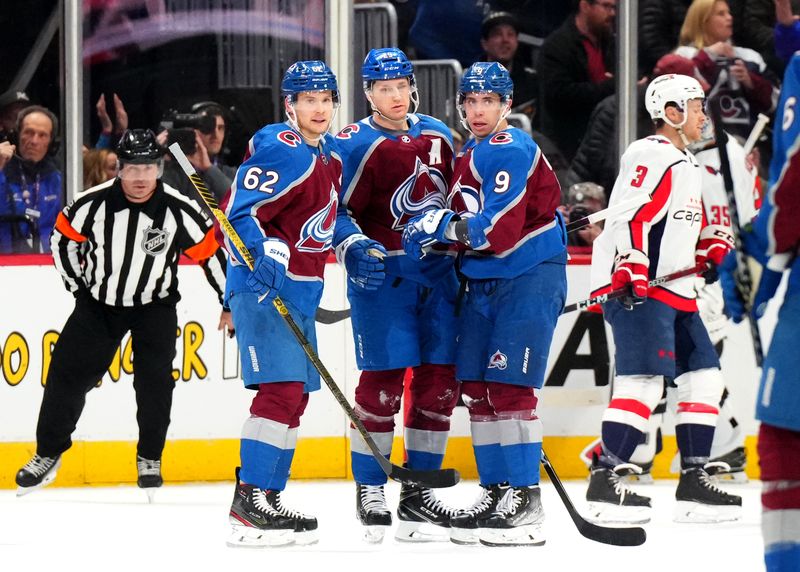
[[31, 188], [99, 165], [11, 103], [660, 24], [110, 133], [597, 159], [584, 199], [575, 65], [734, 73], [787, 30], [760, 32], [499, 40], [205, 157]]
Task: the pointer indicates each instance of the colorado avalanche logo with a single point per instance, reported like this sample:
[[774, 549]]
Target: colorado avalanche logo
[[348, 131], [469, 196], [501, 138], [498, 360], [422, 191], [317, 232], [289, 138]]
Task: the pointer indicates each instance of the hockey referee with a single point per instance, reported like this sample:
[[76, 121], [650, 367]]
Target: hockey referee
[[117, 248]]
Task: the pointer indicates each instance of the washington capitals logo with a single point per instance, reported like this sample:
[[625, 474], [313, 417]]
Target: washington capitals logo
[[317, 232], [422, 191], [154, 241], [498, 360]]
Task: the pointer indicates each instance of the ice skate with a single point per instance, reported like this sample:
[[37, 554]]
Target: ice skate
[[37, 473], [422, 517], [372, 512], [517, 520], [645, 477], [611, 501], [305, 526], [256, 520], [149, 476], [698, 500], [729, 468], [464, 525]]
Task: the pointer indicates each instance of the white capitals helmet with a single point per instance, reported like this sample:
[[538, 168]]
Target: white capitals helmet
[[671, 88]]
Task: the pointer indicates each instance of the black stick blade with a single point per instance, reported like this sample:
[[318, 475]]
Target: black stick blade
[[435, 479], [628, 536]]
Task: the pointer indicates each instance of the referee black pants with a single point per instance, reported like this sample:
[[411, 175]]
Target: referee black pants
[[81, 357]]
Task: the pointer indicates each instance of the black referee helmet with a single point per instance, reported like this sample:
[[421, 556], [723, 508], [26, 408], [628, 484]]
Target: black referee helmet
[[139, 146]]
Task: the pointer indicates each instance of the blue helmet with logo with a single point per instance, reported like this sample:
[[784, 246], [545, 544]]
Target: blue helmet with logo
[[386, 63], [486, 77], [313, 75]]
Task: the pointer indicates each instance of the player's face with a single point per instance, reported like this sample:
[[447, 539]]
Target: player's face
[[719, 26], [392, 97], [695, 119], [483, 111], [314, 110]]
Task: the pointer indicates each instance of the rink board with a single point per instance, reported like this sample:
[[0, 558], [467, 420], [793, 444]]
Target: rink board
[[210, 402]]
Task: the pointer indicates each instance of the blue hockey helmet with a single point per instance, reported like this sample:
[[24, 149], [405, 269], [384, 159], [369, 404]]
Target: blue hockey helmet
[[312, 75], [386, 63], [486, 77]]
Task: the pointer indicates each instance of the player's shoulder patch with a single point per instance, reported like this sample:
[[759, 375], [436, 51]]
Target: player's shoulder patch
[[348, 131], [501, 138], [289, 137]]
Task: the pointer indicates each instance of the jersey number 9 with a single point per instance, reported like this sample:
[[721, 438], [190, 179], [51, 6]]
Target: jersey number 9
[[502, 181]]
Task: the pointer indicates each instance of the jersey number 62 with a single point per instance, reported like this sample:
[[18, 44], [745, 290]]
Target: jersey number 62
[[256, 178]]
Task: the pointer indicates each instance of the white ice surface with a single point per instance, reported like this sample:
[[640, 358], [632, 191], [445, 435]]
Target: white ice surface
[[114, 529]]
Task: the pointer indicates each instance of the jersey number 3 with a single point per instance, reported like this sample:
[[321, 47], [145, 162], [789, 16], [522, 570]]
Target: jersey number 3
[[641, 173], [253, 180]]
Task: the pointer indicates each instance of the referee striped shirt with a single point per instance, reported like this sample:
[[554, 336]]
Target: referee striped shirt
[[126, 254]]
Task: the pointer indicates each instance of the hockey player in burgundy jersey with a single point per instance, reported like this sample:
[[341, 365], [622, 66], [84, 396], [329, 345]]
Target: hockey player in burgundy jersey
[[774, 241], [502, 216], [396, 165], [658, 332], [283, 206]]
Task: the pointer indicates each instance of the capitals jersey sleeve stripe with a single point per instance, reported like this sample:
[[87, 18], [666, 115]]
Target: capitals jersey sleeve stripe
[[649, 213]]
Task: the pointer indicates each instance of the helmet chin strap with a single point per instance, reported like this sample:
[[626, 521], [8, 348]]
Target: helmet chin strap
[[679, 127], [291, 118]]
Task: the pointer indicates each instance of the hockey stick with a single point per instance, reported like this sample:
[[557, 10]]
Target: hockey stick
[[744, 279], [598, 216], [624, 536], [614, 294], [761, 123], [433, 478]]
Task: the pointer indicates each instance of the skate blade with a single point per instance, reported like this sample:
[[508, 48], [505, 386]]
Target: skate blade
[[151, 494], [306, 537], [695, 512], [464, 536], [526, 535], [737, 478], [22, 491], [408, 531], [249, 537], [374, 534], [607, 513]]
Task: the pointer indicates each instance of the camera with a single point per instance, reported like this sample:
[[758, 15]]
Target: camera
[[579, 211], [181, 126]]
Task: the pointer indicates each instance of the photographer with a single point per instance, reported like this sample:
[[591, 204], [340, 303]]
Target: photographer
[[201, 135], [584, 199]]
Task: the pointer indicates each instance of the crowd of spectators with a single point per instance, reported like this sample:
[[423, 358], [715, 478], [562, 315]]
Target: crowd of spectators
[[561, 56]]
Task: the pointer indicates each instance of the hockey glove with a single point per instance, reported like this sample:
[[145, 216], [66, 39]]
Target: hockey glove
[[771, 276], [631, 269], [714, 243], [362, 257], [269, 269], [425, 230]]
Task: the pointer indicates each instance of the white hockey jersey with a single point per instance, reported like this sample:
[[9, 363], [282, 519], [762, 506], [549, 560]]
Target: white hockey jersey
[[715, 205], [666, 228]]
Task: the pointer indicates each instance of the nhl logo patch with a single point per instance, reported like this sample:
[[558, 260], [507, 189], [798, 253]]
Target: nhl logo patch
[[498, 360], [154, 241]]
